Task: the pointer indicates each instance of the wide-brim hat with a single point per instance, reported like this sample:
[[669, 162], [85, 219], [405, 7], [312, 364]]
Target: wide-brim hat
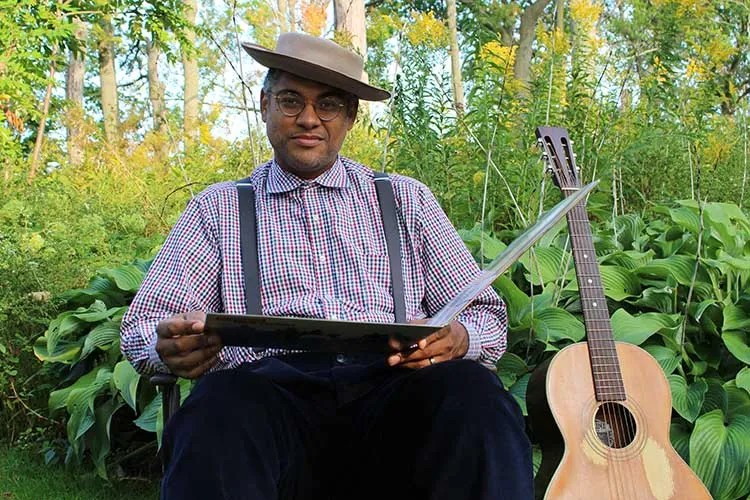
[[319, 60]]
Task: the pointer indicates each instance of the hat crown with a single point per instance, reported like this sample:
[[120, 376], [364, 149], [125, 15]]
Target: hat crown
[[322, 52], [319, 60]]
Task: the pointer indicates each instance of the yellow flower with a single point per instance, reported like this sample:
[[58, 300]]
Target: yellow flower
[[427, 30]]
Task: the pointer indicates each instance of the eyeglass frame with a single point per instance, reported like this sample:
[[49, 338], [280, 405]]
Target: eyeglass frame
[[307, 101]]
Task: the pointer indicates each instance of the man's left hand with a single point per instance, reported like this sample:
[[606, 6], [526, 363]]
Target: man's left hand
[[445, 344]]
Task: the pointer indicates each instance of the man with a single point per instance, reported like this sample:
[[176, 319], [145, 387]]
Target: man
[[263, 423]]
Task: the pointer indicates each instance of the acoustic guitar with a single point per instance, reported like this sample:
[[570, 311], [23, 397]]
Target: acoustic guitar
[[601, 409]]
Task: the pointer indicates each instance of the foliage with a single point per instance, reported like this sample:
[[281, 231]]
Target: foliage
[[677, 285], [82, 347]]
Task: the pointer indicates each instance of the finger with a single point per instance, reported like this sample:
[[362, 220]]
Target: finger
[[185, 344], [423, 363], [182, 324], [442, 333], [203, 367], [440, 347], [193, 360]]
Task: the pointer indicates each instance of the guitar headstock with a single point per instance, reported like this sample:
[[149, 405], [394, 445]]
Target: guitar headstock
[[558, 152]]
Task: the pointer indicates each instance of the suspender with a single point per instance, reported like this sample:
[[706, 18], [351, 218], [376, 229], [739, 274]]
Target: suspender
[[387, 202], [249, 244]]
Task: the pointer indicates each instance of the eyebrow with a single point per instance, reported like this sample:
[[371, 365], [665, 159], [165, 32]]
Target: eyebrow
[[330, 93]]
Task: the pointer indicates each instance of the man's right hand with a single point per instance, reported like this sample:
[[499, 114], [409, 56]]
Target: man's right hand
[[183, 347]]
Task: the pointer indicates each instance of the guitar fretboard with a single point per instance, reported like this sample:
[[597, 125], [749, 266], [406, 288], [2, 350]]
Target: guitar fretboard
[[605, 366]]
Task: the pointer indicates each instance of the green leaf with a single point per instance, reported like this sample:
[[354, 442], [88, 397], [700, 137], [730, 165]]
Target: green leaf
[[101, 337], [147, 420], [553, 324], [668, 359], [679, 267], [126, 381], [735, 318], [636, 329], [619, 283], [743, 379], [515, 300], [687, 399], [720, 454], [518, 391], [686, 218], [509, 368], [65, 352], [100, 442], [127, 278], [544, 264], [680, 437], [736, 342], [738, 401]]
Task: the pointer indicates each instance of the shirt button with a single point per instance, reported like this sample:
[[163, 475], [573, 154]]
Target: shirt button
[[340, 358], [334, 317], [315, 217], [322, 257]]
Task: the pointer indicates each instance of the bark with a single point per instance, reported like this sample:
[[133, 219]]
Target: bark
[[529, 18], [108, 81], [283, 7], [458, 89], [559, 14], [74, 95], [155, 87], [349, 16], [42, 125], [191, 106]]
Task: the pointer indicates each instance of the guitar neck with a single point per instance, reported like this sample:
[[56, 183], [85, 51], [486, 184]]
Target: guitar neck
[[605, 366]]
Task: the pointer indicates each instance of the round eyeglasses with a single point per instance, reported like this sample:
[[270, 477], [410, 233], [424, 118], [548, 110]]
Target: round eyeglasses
[[292, 104]]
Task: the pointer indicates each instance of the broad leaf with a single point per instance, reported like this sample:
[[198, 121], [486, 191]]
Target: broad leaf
[[743, 379], [545, 264], [735, 318], [515, 300], [736, 342], [687, 399], [679, 267], [720, 454], [509, 368], [553, 324], [102, 337], [126, 381], [668, 359], [100, 441], [636, 329], [680, 437], [127, 278], [66, 352], [518, 391]]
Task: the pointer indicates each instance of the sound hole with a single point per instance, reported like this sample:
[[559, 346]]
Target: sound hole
[[614, 425]]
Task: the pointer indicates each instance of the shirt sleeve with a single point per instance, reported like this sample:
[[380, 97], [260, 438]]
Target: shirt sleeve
[[448, 267], [185, 276]]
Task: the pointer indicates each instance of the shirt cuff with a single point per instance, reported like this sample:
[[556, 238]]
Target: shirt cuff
[[475, 344], [154, 360]]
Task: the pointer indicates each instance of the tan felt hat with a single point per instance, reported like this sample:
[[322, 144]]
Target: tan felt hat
[[319, 60]]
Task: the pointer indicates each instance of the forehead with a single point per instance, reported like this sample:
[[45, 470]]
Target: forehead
[[304, 86]]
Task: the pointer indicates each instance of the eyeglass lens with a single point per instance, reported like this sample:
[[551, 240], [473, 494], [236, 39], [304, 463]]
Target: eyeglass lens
[[292, 104]]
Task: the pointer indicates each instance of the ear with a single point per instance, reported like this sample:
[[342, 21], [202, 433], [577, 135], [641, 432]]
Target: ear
[[263, 105], [352, 117]]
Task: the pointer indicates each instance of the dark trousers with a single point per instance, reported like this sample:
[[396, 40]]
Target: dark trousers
[[319, 427]]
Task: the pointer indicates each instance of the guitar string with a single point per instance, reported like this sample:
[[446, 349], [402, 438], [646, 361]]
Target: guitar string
[[615, 426]]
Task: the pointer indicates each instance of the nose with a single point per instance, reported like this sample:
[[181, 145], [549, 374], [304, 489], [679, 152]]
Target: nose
[[308, 118]]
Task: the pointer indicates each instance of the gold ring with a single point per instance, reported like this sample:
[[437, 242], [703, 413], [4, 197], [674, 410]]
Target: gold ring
[[432, 360]]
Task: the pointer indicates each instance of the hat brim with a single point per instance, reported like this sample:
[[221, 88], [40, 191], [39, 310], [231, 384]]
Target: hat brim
[[315, 72]]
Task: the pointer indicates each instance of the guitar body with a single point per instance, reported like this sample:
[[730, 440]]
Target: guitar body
[[607, 450]]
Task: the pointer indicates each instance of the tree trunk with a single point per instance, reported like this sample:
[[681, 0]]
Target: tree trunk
[[42, 124], [108, 81], [283, 7], [458, 88], [529, 18], [191, 107], [559, 15], [74, 96], [155, 87], [349, 16]]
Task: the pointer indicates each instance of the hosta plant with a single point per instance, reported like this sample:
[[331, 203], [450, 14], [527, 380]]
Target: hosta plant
[[677, 285]]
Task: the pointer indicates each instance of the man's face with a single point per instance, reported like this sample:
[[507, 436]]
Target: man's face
[[304, 144]]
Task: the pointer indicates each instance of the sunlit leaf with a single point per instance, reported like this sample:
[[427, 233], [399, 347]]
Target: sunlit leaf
[[736, 342], [687, 400], [720, 454], [636, 329]]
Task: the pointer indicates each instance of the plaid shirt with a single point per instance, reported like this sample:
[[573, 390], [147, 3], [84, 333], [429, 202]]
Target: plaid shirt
[[322, 254]]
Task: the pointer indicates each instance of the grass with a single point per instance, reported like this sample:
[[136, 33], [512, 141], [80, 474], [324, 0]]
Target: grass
[[23, 476]]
